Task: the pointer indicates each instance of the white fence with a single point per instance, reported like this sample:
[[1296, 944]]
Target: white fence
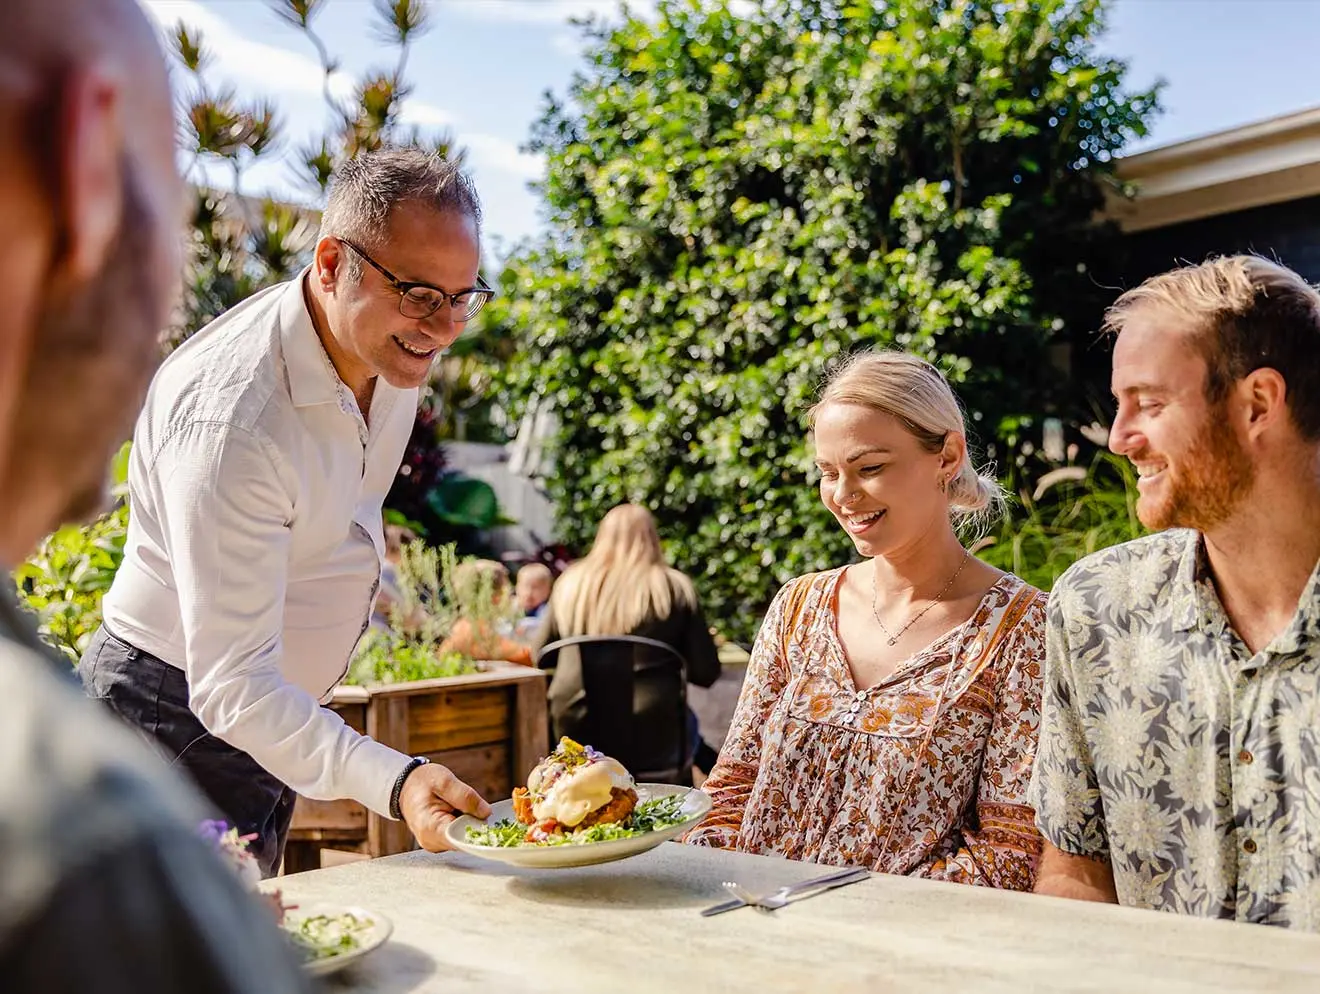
[[520, 497]]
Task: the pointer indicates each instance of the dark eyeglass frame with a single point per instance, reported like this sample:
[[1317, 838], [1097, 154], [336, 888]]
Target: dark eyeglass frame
[[481, 293]]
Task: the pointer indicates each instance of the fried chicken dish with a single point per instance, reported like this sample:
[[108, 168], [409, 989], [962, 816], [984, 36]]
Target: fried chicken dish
[[574, 787]]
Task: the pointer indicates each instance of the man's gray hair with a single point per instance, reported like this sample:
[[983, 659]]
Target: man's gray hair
[[366, 189]]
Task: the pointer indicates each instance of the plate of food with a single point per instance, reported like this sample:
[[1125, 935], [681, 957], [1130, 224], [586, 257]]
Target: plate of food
[[325, 937], [579, 807], [330, 937]]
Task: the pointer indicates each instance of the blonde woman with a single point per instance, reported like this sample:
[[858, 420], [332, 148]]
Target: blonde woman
[[890, 710], [624, 587]]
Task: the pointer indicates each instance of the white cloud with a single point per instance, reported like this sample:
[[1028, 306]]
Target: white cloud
[[241, 60], [493, 152], [425, 115], [569, 43]]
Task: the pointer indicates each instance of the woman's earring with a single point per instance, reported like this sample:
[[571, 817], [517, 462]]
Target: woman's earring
[[944, 485]]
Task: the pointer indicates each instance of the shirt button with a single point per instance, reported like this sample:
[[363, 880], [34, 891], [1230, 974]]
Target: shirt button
[[1249, 846], [849, 718], [855, 706], [861, 695], [1245, 758]]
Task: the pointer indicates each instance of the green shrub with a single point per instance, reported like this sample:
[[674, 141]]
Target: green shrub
[[736, 199], [63, 581], [1071, 513]]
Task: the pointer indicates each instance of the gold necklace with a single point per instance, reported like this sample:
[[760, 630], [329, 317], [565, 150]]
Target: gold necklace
[[875, 609]]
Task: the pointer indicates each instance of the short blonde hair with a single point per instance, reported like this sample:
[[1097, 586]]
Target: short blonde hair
[[1245, 313], [535, 573], [917, 394]]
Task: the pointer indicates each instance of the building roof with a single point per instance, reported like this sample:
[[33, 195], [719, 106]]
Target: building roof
[[1265, 162]]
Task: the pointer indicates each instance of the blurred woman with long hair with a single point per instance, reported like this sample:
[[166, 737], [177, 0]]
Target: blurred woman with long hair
[[624, 586]]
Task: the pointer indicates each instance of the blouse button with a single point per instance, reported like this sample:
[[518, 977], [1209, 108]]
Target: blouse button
[[861, 695], [855, 706], [849, 718]]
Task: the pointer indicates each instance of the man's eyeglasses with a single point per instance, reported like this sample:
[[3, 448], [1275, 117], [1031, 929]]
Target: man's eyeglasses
[[421, 300]]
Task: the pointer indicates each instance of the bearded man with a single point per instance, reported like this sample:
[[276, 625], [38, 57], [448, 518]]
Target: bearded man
[[1180, 740]]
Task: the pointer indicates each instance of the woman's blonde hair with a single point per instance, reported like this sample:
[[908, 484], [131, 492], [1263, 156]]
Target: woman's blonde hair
[[623, 581], [917, 394]]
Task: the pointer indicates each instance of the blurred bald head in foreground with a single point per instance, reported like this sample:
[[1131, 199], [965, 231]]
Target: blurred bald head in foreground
[[100, 839], [92, 206]]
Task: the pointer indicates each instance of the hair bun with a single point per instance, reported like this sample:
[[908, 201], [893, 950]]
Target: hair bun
[[976, 495]]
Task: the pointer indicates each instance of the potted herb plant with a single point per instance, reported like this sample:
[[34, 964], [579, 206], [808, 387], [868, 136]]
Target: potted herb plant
[[485, 720]]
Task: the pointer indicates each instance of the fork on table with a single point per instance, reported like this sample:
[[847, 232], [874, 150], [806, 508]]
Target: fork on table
[[803, 888]]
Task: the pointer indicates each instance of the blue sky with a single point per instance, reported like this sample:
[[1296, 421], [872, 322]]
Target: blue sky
[[483, 67]]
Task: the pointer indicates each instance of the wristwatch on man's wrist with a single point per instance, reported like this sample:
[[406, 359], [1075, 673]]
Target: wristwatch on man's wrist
[[413, 763]]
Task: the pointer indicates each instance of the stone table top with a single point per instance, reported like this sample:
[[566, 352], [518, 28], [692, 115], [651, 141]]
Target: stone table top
[[467, 924]]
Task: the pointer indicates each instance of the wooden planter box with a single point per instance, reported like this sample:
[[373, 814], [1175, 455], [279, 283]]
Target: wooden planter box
[[490, 728]]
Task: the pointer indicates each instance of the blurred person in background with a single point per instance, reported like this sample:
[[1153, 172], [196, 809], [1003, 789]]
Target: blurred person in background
[[624, 586], [532, 588], [481, 588], [106, 886]]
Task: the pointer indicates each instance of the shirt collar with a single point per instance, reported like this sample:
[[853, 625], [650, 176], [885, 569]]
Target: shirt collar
[[1195, 603], [1186, 607], [312, 376], [1305, 627]]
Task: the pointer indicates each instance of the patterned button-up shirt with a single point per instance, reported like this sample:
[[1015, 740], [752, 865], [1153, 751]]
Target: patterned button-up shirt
[[1171, 750]]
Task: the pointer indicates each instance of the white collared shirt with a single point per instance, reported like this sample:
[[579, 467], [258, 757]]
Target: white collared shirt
[[255, 539]]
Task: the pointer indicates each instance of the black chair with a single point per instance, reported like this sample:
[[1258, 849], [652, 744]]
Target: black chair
[[621, 674]]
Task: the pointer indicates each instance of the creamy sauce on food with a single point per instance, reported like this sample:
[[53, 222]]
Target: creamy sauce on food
[[574, 794]]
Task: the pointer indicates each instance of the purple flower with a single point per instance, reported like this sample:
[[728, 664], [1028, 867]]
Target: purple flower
[[213, 830]]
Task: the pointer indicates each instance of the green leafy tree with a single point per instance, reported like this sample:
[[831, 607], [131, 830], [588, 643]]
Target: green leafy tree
[[735, 201]]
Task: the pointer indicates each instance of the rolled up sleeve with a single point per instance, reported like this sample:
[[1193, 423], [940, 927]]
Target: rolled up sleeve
[[225, 513]]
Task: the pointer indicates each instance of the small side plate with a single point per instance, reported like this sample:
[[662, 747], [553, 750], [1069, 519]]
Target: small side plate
[[372, 935]]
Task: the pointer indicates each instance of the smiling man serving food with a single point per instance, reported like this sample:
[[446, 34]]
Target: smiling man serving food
[[260, 464]]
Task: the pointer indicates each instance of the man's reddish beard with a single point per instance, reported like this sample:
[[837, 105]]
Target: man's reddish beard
[[1211, 479]]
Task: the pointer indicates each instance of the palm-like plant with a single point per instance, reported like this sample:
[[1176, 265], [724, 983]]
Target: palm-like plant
[[239, 244]]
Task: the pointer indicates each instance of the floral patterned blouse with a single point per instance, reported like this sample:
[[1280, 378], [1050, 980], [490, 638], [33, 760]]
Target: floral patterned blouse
[[816, 769]]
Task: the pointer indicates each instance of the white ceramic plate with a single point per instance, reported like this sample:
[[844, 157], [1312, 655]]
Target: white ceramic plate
[[372, 936], [696, 805]]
